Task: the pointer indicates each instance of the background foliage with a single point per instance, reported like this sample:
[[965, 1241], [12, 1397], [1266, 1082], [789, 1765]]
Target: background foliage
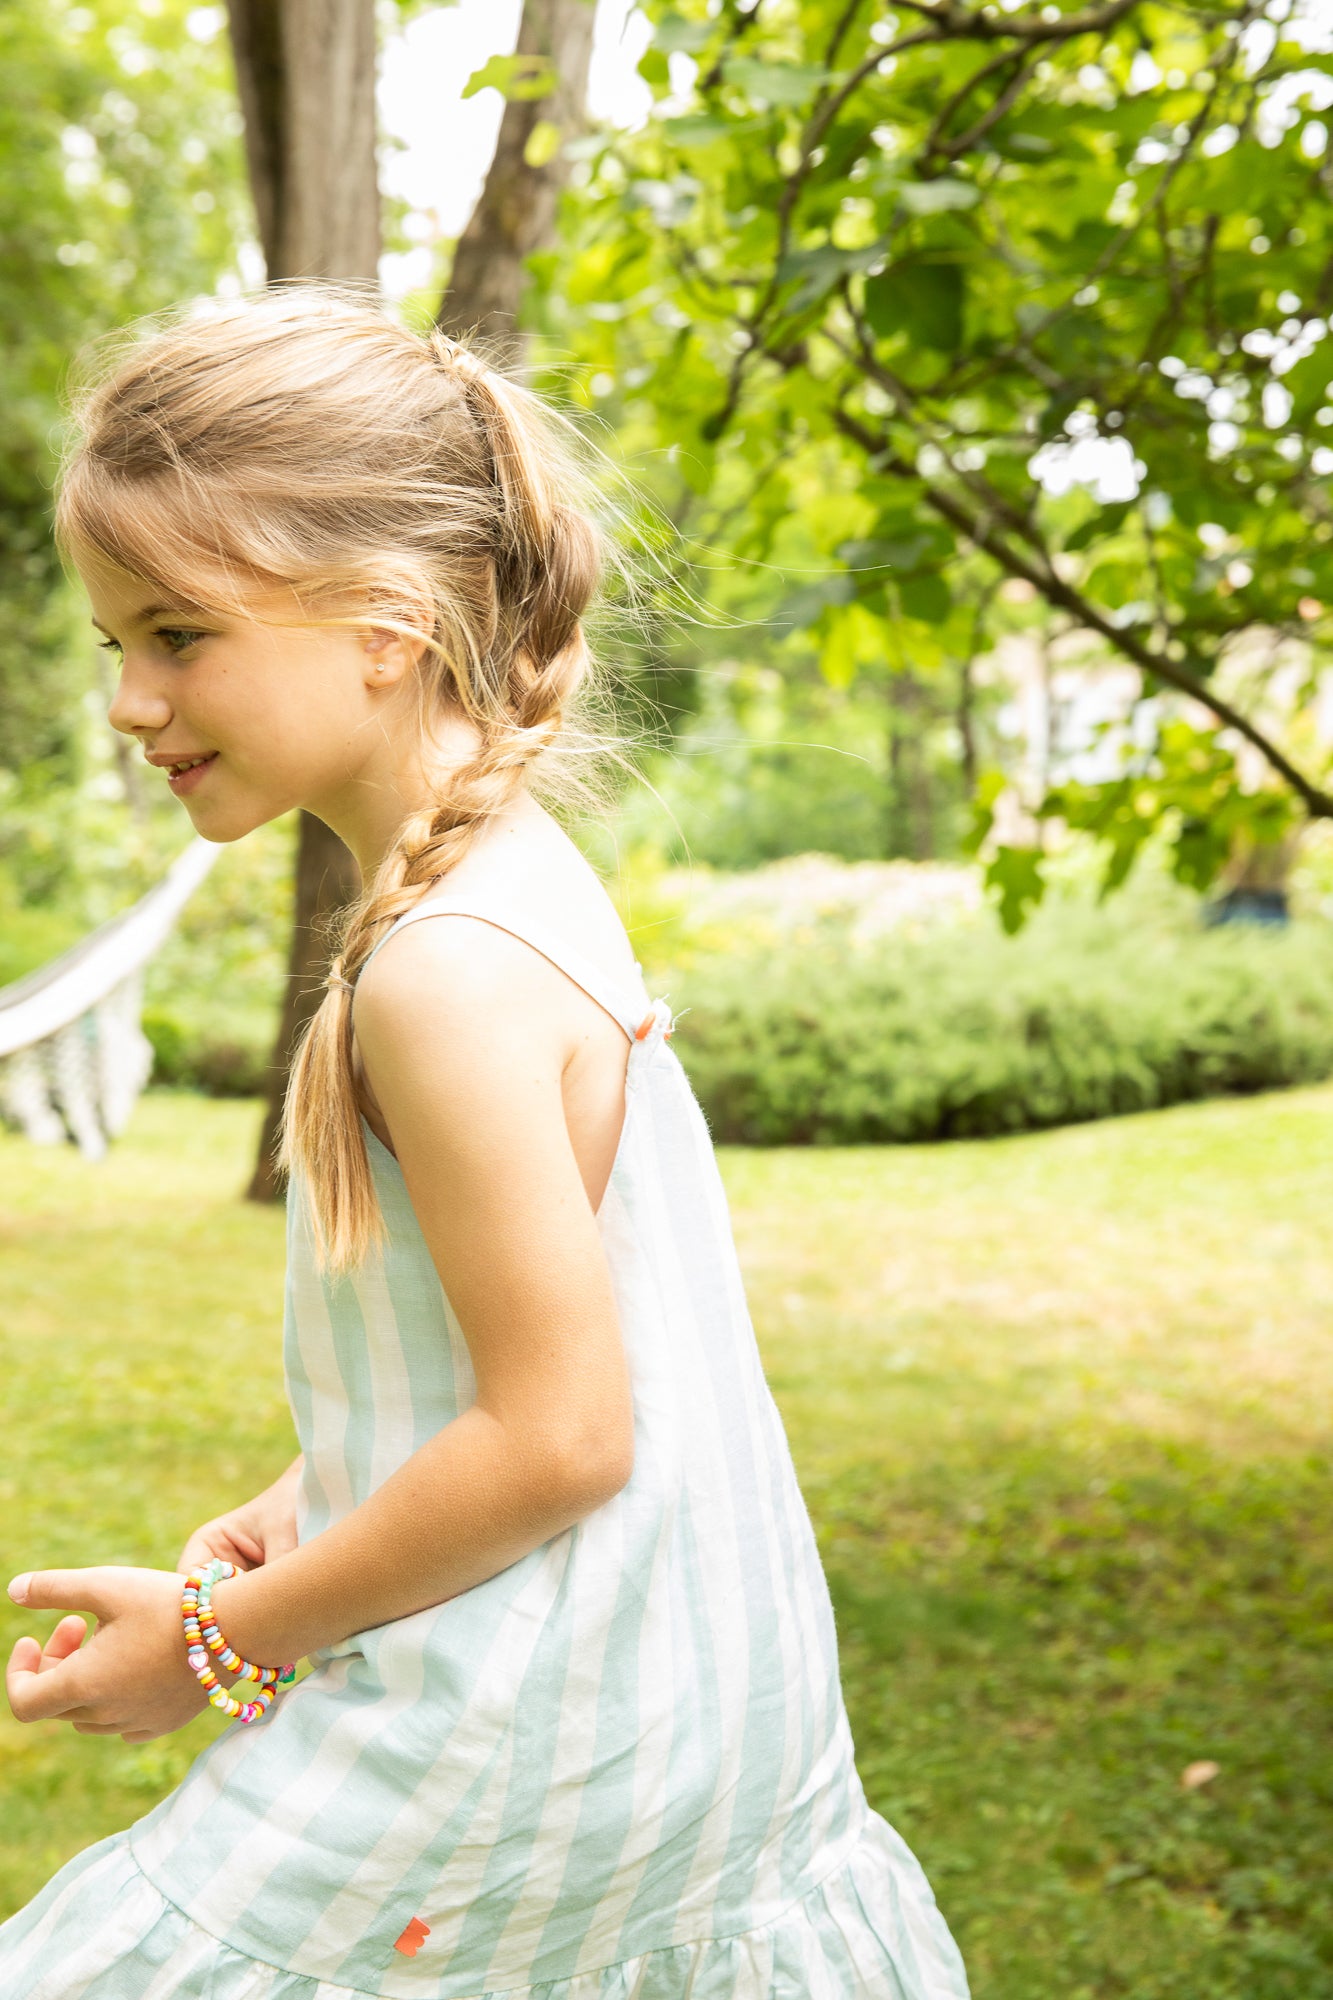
[[909, 303], [120, 193]]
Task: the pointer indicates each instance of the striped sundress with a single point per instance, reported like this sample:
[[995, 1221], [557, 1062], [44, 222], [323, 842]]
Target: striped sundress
[[620, 1769]]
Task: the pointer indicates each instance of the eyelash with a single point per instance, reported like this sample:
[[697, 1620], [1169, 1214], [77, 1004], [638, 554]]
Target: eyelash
[[164, 632]]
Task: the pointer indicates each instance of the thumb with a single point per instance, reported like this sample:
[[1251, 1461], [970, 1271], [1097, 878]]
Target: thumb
[[62, 1590]]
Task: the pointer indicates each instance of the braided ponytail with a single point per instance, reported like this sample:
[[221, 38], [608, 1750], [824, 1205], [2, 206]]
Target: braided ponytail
[[303, 437]]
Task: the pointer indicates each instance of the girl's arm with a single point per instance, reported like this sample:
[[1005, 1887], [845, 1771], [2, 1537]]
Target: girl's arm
[[464, 1032]]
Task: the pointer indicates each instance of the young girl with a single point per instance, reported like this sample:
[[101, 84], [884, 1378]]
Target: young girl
[[573, 1727]]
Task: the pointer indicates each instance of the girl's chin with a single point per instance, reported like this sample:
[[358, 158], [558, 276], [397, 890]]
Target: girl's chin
[[226, 822]]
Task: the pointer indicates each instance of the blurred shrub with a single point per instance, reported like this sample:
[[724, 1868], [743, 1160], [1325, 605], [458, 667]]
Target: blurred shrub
[[965, 1033], [218, 1067], [212, 994], [29, 938]]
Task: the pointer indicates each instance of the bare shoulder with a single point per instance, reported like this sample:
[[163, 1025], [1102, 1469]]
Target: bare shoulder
[[459, 1057], [458, 1008], [452, 987]]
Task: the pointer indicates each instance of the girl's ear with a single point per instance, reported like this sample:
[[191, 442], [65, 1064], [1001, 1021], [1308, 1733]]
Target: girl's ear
[[390, 658]]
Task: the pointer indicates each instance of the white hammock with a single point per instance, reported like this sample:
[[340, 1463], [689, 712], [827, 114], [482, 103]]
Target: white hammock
[[73, 1057]]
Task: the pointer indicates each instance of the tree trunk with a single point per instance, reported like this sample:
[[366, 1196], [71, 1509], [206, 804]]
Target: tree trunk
[[326, 879], [516, 210], [967, 732], [305, 74], [910, 807]]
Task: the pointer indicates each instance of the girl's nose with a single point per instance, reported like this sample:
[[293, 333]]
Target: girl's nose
[[138, 703]]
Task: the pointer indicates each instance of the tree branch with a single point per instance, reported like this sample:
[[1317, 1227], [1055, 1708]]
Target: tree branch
[[985, 534], [967, 24]]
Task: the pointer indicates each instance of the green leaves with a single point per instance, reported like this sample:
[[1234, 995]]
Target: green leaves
[[937, 197], [121, 192], [1192, 791], [675, 33], [818, 271], [543, 143], [774, 82], [922, 300], [926, 597], [516, 77], [691, 132], [1044, 305], [1014, 875]]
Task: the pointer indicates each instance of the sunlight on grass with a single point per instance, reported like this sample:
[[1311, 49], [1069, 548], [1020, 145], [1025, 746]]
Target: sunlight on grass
[[1058, 1404]]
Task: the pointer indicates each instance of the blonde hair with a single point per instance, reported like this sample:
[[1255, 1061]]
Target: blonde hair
[[302, 437]]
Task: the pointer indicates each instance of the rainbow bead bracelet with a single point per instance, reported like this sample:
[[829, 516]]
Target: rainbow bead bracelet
[[203, 1637]]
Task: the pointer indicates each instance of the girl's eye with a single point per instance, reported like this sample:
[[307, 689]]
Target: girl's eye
[[177, 638]]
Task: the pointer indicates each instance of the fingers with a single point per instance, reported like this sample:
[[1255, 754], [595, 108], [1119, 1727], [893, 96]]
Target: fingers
[[249, 1553], [41, 1692], [68, 1636], [58, 1589], [26, 1657], [215, 1539], [28, 1685]]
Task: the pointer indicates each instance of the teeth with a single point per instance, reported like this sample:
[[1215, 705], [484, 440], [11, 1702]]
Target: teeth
[[176, 769]]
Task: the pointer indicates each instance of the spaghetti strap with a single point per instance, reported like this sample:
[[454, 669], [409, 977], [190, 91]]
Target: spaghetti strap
[[616, 1000]]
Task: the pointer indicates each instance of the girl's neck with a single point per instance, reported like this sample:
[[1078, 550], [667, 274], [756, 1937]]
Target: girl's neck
[[369, 813]]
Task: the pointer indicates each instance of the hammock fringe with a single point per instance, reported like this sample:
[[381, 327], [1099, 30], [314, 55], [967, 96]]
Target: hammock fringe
[[73, 1057]]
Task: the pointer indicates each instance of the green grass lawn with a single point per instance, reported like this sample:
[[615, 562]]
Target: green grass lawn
[[1059, 1407]]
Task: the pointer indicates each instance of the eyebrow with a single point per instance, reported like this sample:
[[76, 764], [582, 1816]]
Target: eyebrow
[[158, 611]]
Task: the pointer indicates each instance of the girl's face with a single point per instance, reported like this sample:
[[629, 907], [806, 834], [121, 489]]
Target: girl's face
[[269, 716]]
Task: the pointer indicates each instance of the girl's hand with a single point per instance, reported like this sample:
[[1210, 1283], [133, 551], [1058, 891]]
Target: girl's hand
[[257, 1532], [131, 1679]]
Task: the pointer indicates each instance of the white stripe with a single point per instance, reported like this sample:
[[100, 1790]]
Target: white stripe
[[465, 1749], [389, 1369], [724, 1609], [766, 1895], [329, 1416], [657, 1717], [33, 1946], [595, 1578]]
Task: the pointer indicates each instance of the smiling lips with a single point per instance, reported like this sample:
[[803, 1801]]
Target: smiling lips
[[176, 767]]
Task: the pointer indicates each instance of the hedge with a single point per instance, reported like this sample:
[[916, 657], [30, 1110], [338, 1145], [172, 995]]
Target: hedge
[[966, 1034]]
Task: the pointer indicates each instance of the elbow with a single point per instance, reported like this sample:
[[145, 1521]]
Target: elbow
[[619, 1468], [591, 1470]]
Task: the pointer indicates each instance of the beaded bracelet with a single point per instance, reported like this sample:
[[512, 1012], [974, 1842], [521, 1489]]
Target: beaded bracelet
[[201, 1631]]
